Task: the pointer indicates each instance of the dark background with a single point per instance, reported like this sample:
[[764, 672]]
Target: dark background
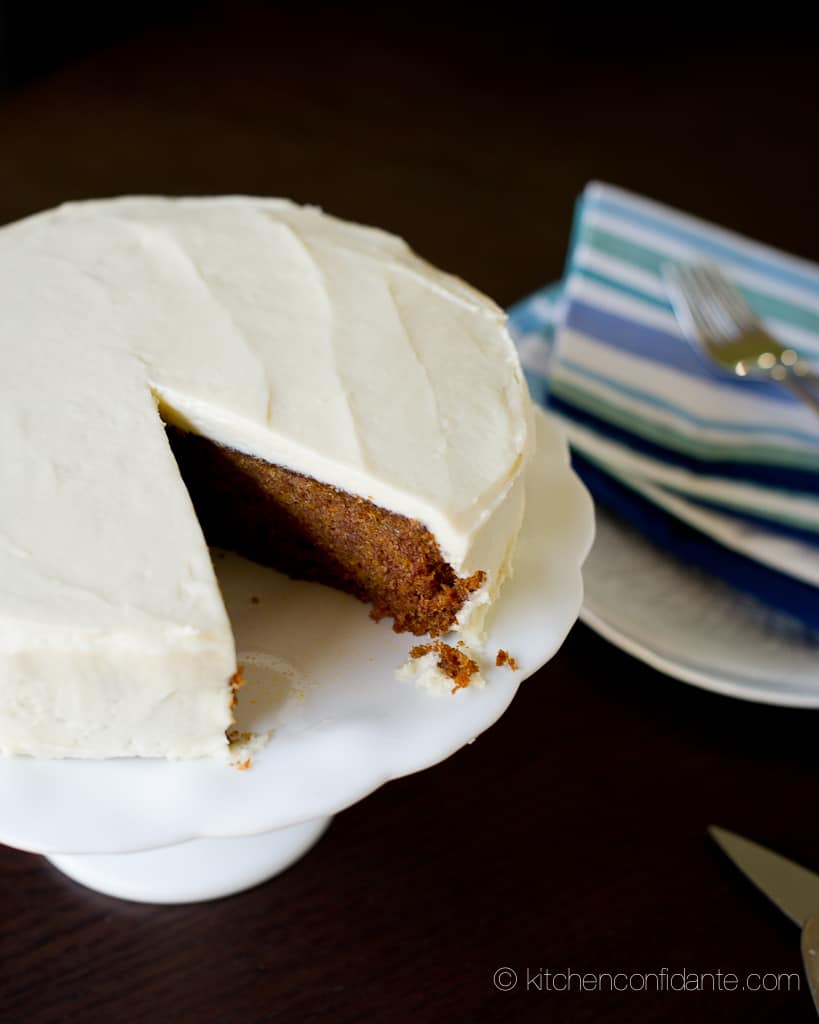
[[571, 835]]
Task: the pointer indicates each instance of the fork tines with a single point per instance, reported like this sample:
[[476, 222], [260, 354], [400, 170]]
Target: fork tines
[[713, 307]]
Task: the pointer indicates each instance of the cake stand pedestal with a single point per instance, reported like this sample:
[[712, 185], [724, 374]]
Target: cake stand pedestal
[[200, 869], [320, 680]]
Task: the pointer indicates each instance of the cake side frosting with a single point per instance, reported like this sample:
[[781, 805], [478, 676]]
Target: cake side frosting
[[113, 635]]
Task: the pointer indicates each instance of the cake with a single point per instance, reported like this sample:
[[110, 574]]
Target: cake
[[241, 372]]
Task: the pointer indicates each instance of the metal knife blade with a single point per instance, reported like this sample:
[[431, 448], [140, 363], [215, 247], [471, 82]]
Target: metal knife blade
[[794, 889]]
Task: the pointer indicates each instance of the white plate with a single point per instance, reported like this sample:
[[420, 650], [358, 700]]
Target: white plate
[[692, 626], [342, 724]]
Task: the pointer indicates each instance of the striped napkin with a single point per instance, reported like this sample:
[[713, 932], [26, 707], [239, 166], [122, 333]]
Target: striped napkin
[[733, 462]]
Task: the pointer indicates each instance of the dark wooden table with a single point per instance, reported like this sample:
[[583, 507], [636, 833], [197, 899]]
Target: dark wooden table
[[572, 835]]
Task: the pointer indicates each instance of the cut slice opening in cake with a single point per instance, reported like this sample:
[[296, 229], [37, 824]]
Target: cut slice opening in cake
[[314, 531]]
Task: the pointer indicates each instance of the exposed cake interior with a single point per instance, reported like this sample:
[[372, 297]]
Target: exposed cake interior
[[311, 530]]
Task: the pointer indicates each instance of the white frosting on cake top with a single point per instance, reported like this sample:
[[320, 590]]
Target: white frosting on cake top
[[316, 344]]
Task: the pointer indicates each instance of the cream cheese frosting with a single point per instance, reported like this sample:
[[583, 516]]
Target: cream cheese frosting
[[319, 345]]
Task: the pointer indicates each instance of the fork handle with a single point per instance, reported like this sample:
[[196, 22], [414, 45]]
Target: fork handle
[[805, 387]]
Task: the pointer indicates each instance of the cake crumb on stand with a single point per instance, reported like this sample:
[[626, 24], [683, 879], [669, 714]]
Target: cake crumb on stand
[[439, 667], [505, 658], [242, 746]]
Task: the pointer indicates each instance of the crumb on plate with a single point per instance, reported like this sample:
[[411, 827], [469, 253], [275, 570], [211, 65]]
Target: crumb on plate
[[451, 662], [505, 658]]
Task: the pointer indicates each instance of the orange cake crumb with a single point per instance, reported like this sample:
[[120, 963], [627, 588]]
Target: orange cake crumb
[[235, 736], [237, 680], [242, 766], [451, 662], [505, 658]]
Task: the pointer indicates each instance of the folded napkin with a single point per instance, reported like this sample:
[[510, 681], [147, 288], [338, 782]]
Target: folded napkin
[[636, 393], [658, 434], [791, 596]]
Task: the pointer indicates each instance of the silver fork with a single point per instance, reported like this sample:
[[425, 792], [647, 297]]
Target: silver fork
[[715, 316]]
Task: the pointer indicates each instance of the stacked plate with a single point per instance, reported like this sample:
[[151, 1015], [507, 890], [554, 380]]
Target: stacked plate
[[706, 563]]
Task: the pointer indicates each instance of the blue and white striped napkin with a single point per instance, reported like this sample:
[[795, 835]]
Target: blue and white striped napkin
[[634, 388], [604, 349]]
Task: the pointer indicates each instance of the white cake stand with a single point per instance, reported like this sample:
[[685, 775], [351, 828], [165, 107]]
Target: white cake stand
[[321, 678]]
